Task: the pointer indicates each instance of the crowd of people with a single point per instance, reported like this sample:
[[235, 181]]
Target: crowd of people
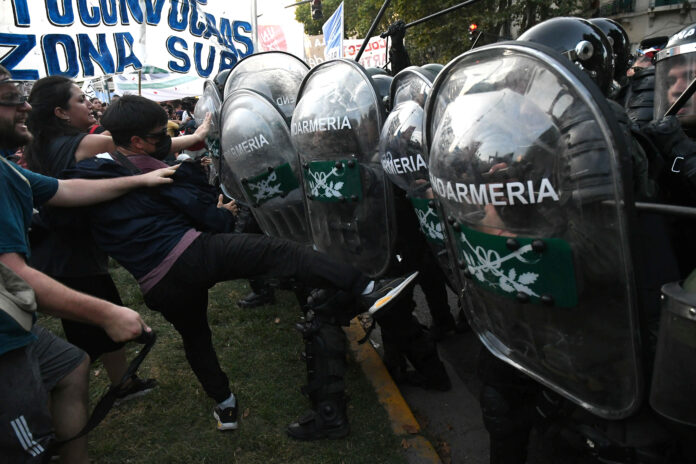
[[158, 236], [165, 224]]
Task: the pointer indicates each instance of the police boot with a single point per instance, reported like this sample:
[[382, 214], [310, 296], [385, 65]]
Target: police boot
[[325, 354], [402, 331], [327, 420]]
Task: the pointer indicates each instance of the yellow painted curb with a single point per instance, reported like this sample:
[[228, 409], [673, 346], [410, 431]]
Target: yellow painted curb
[[402, 420]]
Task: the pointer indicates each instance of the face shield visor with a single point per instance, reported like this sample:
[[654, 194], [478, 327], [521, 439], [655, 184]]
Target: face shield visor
[[674, 71]]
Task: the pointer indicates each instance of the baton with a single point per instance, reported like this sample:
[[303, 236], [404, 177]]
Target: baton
[[376, 21], [432, 16], [660, 208]]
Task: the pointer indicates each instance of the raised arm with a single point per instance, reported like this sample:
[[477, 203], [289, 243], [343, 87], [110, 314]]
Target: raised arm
[[54, 298], [184, 141], [83, 192]]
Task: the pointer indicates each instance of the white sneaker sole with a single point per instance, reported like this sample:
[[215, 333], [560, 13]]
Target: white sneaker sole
[[379, 304], [225, 426]]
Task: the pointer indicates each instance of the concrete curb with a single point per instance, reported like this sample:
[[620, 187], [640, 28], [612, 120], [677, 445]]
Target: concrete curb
[[418, 449]]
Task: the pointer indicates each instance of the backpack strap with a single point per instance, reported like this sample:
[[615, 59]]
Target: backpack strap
[[123, 160]]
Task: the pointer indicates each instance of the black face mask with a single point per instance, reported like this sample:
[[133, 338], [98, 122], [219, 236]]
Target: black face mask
[[162, 148]]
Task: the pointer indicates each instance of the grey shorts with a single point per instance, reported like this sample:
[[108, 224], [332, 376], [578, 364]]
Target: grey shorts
[[56, 357], [27, 375]]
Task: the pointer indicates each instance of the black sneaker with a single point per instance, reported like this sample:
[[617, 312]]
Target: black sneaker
[[385, 292], [254, 300], [135, 389], [226, 417]]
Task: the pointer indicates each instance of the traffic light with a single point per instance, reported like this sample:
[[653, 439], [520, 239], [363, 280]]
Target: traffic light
[[473, 27], [316, 10]]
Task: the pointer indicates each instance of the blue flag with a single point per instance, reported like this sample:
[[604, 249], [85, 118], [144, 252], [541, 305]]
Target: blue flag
[[333, 34]]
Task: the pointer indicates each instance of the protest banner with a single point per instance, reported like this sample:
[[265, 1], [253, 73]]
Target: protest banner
[[272, 38], [374, 56], [86, 38]]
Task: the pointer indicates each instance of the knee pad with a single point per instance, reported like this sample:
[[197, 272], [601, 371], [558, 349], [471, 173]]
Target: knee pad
[[325, 350], [332, 306]]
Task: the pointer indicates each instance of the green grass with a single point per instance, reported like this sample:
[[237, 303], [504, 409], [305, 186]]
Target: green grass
[[261, 353]]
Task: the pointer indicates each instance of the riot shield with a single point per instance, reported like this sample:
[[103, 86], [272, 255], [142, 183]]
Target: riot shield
[[335, 129], [256, 148], [405, 164], [277, 75], [210, 102], [527, 161]]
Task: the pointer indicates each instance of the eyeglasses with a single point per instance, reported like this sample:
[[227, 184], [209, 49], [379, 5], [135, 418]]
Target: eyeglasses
[[156, 135], [13, 99], [17, 96]]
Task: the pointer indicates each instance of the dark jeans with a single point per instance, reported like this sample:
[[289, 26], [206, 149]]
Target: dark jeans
[[182, 294]]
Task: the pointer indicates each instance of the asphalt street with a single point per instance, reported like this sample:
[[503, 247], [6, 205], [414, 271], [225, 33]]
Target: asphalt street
[[450, 420]]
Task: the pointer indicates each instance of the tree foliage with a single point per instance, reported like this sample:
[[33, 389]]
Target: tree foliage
[[443, 38]]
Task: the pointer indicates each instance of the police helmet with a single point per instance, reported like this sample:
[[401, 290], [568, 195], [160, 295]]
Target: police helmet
[[220, 80], [675, 68], [382, 84], [581, 42], [412, 84], [275, 74], [620, 44]]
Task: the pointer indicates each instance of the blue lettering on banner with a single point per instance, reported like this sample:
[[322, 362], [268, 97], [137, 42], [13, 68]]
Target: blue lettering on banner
[[198, 59], [135, 10], [227, 60], [72, 54], [246, 27], [122, 39], [21, 13], [196, 27], [154, 12], [49, 45], [66, 17], [89, 16], [109, 12], [175, 11], [226, 32], [186, 62], [211, 29], [100, 54], [21, 45]]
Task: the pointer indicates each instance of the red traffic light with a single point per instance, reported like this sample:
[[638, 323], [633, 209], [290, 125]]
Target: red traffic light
[[473, 27], [316, 10]]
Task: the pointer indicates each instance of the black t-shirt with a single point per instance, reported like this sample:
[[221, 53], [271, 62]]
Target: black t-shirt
[[61, 243]]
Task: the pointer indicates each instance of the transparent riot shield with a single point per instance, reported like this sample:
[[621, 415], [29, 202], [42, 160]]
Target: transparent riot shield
[[405, 163], [335, 129], [257, 150], [526, 163], [277, 75], [210, 102]]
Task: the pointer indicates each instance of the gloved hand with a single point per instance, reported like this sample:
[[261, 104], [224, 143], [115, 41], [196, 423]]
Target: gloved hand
[[678, 150], [397, 31], [669, 137]]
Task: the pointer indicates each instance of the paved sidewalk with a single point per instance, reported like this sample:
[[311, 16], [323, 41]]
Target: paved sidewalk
[[438, 427]]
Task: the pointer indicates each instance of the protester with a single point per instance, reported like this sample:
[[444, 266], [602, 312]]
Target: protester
[[63, 249], [34, 363], [177, 245]]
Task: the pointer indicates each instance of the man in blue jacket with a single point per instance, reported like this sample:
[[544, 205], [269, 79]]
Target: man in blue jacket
[[177, 242]]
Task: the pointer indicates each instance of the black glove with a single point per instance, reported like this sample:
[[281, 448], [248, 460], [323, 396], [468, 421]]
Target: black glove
[[397, 31], [669, 137], [678, 150]]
